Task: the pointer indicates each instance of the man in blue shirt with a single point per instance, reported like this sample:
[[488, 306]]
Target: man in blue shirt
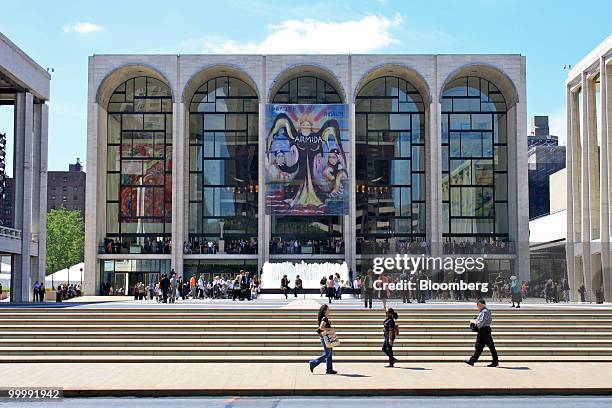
[[482, 325]]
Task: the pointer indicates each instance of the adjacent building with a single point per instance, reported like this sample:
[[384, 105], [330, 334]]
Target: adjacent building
[[7, 216], [205, 164], [67, 188], [589, 126], [545, 157], [548, 236], [24, 85]]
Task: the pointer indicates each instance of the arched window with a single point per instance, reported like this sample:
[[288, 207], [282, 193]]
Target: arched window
[[306, 89], [139, 164], [316, 234], [223, 184], [474, 160], [390, 164]]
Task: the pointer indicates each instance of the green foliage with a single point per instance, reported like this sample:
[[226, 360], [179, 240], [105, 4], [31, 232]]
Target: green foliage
[[65, 239]]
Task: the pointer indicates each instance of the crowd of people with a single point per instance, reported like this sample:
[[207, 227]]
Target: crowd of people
[[232, 246], [149, 246], [421, 246], [170, 288], [396, 246], [63, 291], [298, 246], [491, 246]]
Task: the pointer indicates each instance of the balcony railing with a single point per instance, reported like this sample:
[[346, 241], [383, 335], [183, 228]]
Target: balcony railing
[[10, 233]]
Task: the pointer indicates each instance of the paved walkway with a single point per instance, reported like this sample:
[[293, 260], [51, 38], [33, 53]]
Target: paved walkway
[[159, 379], [279, 302]]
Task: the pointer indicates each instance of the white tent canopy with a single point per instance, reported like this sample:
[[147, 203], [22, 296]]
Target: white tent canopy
[[73, 274]]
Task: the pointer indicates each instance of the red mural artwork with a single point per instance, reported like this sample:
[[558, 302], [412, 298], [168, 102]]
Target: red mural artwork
[[146, 187]]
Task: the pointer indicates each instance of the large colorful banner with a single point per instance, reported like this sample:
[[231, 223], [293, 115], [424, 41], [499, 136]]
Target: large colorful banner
[[307, 159]]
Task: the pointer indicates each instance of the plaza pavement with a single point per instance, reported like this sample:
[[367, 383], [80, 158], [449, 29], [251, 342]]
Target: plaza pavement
[[161, 379]]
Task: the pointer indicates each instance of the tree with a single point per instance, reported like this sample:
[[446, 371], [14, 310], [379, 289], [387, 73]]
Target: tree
[[65, 239]]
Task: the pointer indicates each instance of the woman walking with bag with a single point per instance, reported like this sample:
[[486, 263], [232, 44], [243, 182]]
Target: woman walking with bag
[[390, 331], [328, 341]]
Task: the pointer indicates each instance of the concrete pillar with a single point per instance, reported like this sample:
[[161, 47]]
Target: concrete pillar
[[42, 177], [585, 193], [521, 187], [178, 185], [577, 192], [24, 141], [604, 177], [433, 177], [570, 188], [350, 221], [263, 220], [93, 212]]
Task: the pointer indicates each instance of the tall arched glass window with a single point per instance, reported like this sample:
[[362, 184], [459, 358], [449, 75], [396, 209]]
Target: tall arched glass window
[[223, 184], [474, 160], [139, 165], [293, 234], [390, 165], [306, 89]]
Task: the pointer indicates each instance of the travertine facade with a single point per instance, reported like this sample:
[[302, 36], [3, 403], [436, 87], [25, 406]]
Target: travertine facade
[[25, 85], [589, 121], [265, 74]]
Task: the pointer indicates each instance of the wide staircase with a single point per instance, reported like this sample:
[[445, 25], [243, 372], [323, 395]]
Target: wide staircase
[[69, 335]]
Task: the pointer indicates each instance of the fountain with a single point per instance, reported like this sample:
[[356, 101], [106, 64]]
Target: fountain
[[311, 273]]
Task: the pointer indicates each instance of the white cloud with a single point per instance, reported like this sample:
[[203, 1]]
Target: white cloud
[[558, 125], [308, 36], [83, 28]]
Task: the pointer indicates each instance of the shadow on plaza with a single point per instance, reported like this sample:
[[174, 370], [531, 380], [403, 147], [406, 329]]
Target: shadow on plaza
[[414, 368], [349, 375], [514, 368]]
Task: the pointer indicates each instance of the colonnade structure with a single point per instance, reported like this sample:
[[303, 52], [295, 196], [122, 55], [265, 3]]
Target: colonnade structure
[[434, 161], [589, 129], [24, 85]]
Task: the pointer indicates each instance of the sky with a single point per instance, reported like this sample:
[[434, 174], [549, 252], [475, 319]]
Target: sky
[[62, 34]]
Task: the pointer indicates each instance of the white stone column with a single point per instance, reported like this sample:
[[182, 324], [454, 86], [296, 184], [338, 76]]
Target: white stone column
[[350, 224], [576, 156], [570, 188], [42, 177], [178, 185], [24, 141], [93, 212], [593, 169], [605, 175], [433, 177], [522, 185], [263, 220], [585, 193]]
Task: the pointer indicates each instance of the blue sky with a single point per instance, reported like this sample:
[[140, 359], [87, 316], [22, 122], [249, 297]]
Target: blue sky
[[62, 34]]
